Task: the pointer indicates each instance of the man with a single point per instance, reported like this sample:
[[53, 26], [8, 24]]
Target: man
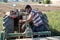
[[8, 21], [35, 18]]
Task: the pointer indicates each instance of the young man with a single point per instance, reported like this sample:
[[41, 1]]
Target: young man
[[8, 22], [35, 18]]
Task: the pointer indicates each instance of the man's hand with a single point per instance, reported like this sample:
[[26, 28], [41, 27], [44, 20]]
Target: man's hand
[[20, 21], [40, 12]]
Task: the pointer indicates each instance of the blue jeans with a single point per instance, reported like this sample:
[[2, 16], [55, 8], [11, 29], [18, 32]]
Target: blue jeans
[[38, 28]]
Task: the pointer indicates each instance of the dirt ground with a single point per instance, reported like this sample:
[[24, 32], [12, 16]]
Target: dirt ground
[[6, 7]]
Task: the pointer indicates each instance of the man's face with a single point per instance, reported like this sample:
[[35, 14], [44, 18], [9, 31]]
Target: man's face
[[13, 15], [28, 10]]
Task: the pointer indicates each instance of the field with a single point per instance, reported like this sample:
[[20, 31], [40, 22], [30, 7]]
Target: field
[[54, 18], [54, 22], [1, 19], [43, 7], [52, 12]]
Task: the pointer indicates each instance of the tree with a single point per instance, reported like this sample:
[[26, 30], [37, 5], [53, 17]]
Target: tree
[[5, 1]]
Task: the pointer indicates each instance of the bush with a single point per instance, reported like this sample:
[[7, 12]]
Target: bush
[[46, 1]]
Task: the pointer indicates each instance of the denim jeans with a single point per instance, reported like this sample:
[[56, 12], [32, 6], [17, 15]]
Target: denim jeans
[[39, 28]]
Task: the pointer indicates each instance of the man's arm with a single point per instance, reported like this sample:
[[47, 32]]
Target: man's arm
[[28, 19]]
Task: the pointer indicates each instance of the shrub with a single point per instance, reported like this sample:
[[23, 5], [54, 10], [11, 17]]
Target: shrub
[[46, 1]]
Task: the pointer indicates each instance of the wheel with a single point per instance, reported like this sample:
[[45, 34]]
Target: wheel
[[8, 24]]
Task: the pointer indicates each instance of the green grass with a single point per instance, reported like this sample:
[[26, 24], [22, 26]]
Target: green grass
[[54, 22], [54, 19], [1, 21]]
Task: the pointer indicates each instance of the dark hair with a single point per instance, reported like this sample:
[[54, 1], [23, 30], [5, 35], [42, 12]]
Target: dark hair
[[28, 6], [12, 11]]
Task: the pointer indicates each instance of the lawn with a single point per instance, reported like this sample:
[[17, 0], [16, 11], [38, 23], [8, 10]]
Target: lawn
[[54, 22], [1, 21]]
